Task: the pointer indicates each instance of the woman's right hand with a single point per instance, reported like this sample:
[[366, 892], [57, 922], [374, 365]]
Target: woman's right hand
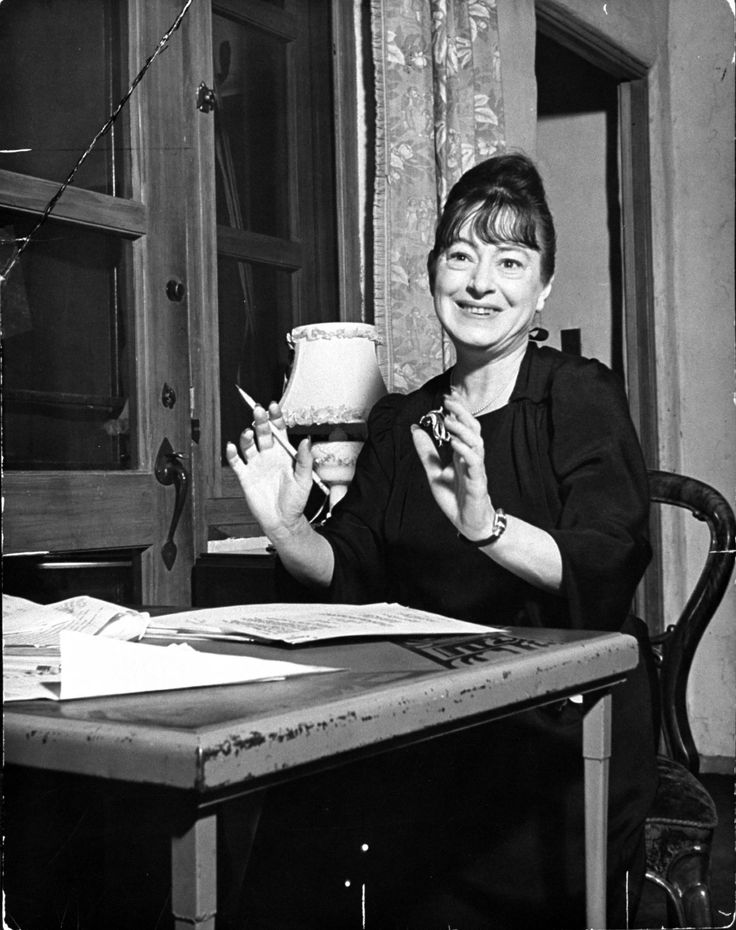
[[276, 488]]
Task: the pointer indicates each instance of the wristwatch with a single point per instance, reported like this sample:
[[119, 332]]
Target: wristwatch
[[500, 521]]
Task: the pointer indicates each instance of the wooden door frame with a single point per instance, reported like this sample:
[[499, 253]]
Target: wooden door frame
[[632, 76]]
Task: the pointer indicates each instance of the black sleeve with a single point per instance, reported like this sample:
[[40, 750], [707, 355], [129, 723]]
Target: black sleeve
[[602, 530], [355, 528]]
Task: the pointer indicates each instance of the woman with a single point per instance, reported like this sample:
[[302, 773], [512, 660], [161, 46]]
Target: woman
[[509, 489]]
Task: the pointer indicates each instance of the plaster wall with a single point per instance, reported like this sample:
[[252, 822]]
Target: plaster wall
[[575, 179], [700, 437], [688, 46]]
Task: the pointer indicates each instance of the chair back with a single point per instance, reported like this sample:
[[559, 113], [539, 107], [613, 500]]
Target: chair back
[[676, 646]]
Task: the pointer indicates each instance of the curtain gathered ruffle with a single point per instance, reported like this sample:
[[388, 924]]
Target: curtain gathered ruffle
[[439, 110]]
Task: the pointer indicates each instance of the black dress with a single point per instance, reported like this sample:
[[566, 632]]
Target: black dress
[[485, 829]]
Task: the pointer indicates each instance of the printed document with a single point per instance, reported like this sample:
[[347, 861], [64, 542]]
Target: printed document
[[306, 623]]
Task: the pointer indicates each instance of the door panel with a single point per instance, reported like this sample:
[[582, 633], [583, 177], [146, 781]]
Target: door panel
[[66, 92], [62, 512], [66, 343]]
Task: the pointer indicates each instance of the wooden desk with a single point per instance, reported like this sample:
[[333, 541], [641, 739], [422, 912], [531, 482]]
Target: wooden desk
[[210, 745]]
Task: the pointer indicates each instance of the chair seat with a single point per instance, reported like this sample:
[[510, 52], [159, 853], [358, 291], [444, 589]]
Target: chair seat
[[681, 800]]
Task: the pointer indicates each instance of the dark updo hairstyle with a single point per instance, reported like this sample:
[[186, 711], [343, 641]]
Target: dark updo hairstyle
[[505, 200]]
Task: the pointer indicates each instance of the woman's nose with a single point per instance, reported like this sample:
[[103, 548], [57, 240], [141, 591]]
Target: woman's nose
[[483, 280]]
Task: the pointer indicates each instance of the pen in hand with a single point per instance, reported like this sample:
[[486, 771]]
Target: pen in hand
[[283, 441]]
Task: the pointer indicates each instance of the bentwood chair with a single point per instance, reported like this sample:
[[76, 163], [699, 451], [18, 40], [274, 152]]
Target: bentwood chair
[[679, 828]]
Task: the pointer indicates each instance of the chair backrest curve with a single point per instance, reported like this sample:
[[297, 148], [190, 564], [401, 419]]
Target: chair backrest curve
[[680, 639]]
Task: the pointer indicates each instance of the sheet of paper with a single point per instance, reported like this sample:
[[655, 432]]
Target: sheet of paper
[[26, 623], [254, 545], [93, 666], [305, 623], [29, 674]]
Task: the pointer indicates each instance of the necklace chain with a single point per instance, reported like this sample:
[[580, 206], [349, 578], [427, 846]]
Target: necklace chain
[[496, 396]]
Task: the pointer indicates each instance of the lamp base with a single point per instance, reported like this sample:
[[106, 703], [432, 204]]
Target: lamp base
[[335, 462]]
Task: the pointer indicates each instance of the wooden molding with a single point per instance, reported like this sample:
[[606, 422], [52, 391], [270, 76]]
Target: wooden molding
[[77, 206], [555, 22]]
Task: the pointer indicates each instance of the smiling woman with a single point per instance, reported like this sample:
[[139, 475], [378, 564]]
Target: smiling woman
[[524, 504], [490, 271], [485, 297]]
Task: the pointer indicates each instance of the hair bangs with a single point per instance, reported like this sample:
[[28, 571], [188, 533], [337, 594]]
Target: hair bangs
[[494, 220], [505, 221]]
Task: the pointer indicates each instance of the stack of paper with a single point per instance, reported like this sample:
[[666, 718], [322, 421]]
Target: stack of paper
[[307, 623], [77, 649], [32, 639], [27, 624]]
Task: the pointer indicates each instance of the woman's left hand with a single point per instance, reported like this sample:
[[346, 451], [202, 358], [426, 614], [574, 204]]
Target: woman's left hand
[[460, 487]]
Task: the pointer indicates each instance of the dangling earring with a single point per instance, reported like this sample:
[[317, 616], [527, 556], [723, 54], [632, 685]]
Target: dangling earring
[[538, 333]]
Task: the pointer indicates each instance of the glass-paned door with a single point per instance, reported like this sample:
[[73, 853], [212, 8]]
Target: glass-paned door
[[276, 153], [191, 240], [95, 351]]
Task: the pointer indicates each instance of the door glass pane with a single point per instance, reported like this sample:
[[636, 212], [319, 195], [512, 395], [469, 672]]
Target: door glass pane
[[255, 314], [66, 348], [60, 68], [251, 133]]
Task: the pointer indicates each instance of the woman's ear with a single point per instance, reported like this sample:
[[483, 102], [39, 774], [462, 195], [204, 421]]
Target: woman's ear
[[545, 293]]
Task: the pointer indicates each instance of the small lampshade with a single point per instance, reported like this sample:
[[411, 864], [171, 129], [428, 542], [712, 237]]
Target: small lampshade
[[334, 382], [335, 377]]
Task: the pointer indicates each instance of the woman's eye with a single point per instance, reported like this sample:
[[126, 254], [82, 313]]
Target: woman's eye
[[458, 257], [510, 264]]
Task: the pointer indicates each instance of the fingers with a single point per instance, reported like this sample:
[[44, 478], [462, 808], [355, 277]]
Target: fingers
[[426, 450], [277, 417], [441, 480], [259, 437], [464, 432], [262, 427], [423, 443], [248, 447], [304, 463], [459, 414], [234, 460], [231, 454]]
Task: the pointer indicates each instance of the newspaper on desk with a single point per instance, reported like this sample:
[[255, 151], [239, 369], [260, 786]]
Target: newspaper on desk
[[37, 626], [296, 624], [32, 639], [82, 648]]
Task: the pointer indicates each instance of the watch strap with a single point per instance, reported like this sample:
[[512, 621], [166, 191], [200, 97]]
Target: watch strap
[[500, 521]]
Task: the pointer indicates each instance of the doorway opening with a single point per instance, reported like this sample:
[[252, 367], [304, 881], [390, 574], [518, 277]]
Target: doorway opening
[[577, 150], [593, 148]]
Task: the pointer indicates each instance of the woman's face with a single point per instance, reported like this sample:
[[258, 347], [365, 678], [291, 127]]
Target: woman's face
[[485, 295]]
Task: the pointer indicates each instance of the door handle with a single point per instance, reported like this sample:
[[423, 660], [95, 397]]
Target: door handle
[[169, 469]]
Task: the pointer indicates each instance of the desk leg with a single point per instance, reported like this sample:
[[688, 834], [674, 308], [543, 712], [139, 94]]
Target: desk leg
[[194, 863], [194, 875], [597, 753]]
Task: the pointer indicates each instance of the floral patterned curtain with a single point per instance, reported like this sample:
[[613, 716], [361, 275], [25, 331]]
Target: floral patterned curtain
[[439, 110]]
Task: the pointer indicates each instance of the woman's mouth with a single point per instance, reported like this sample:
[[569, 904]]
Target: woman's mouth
[[477, 311]]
